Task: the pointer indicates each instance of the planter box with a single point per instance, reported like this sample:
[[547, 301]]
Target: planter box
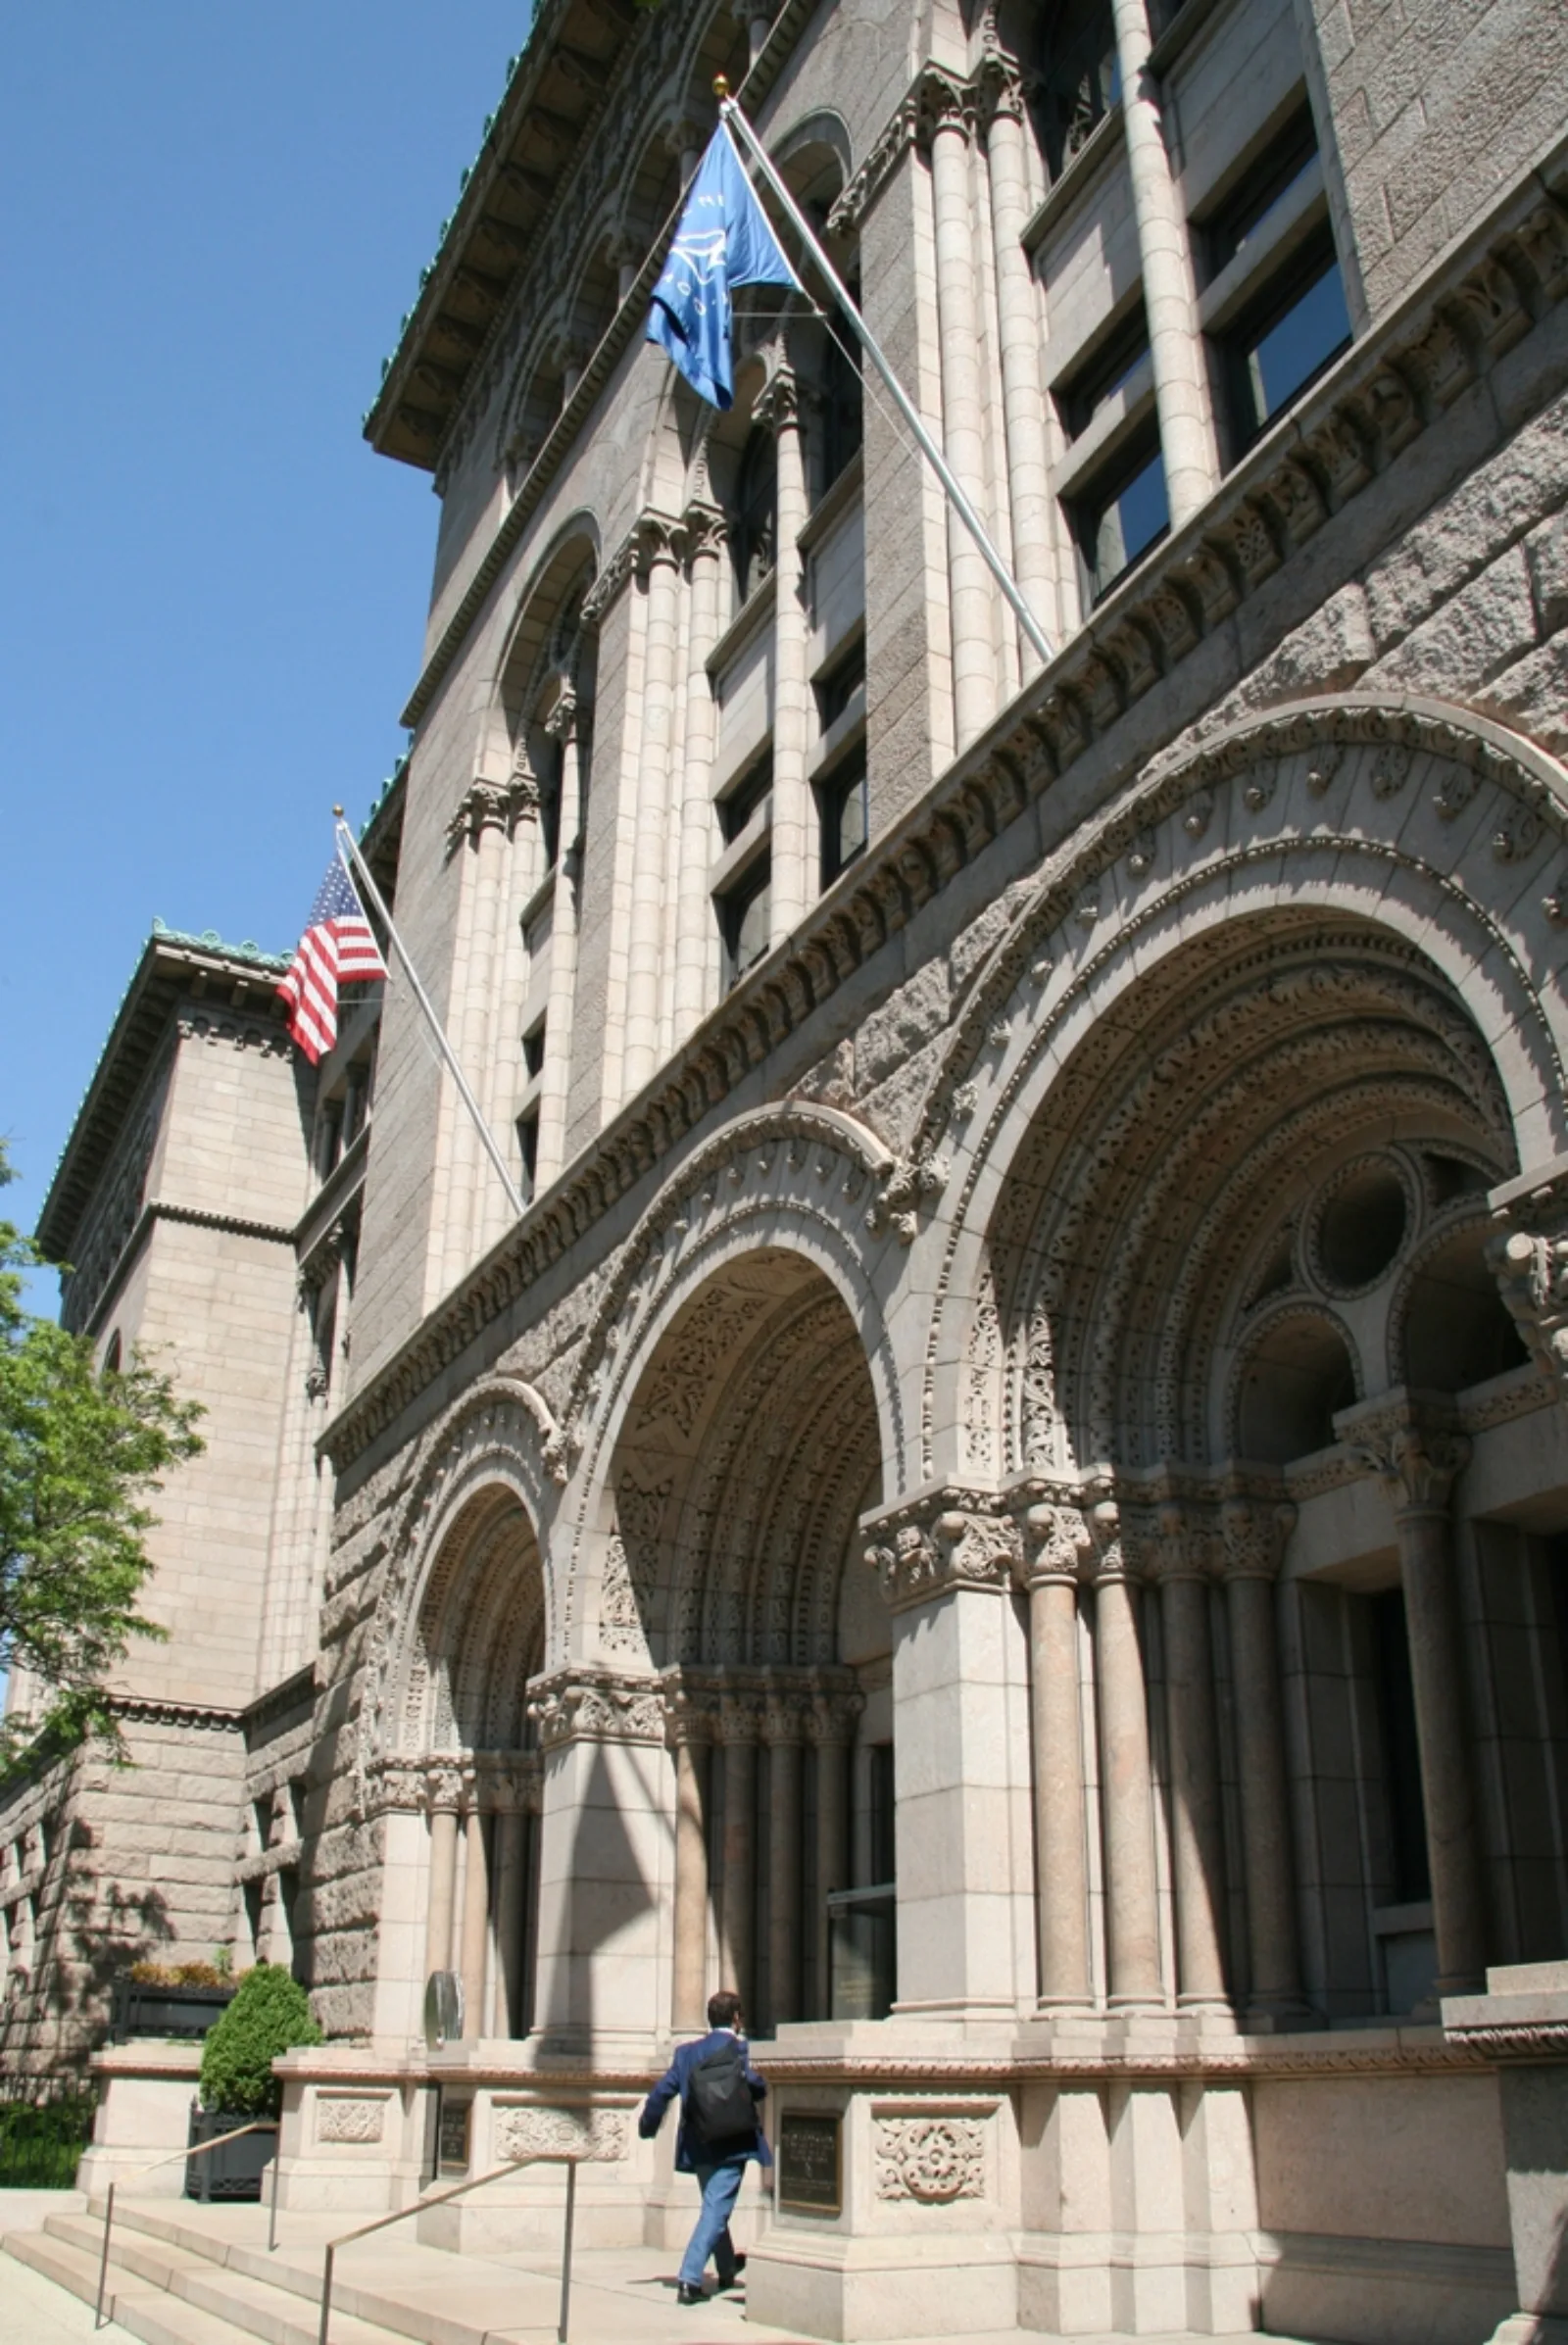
[[164, 2011], [235, 2170]]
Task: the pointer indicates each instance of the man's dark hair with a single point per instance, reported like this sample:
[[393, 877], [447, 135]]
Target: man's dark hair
[[724, 2009]]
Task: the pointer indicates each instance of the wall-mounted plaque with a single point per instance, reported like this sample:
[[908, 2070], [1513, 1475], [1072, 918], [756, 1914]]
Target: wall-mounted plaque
[[453, 2135], [811, 2172]]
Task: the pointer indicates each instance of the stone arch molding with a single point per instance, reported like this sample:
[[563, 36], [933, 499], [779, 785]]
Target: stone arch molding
[[499, 1438], [1423, 819], [798, 1176]]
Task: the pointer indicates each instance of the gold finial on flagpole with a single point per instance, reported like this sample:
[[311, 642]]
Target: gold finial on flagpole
[[338, 811], [721, 87]]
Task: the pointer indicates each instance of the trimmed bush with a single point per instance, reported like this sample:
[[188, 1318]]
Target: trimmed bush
[[271, 2014]]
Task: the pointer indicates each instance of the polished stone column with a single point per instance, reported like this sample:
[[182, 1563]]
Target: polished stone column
[[1055, 1542], [444, 1799], [688, 1734], [1417, 1451], [1170, 298], [1254, 1532], [738, 1917], [644, 955], [1183, 1559], [475, 1922], [1126, 1787], [795, 846], [696, 951], [783, 1732], [963, 434]]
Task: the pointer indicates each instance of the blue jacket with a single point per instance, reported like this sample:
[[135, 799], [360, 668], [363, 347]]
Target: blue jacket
[[691, 2150]]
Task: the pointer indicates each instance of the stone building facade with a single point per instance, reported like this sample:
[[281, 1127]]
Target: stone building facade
[[1007, 1493]]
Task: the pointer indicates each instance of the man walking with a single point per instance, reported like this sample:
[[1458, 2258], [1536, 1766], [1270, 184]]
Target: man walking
[[718, 2090]]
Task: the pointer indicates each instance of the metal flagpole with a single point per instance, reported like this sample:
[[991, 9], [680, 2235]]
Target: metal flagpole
[[731, 116], [345, 840]]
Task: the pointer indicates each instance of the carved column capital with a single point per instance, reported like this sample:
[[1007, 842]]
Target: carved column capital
[[1179, 1540], [778, 404], [597, 1706], [1529, 1258], [740, 1718], [1254, 1531], [444, 1783], [1413, 1444], [484, 805], [691, 1716], [783, 1721], [1056, 1543], [830, 1721], [957, 1539], [706, 531], [1110, 1560]]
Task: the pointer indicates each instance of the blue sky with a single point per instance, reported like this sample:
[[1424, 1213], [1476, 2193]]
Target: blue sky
[[211, 218]]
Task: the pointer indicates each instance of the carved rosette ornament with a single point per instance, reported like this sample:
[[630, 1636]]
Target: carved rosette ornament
[[932, 2159]]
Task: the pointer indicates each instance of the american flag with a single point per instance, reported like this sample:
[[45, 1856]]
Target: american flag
[[336, 949]]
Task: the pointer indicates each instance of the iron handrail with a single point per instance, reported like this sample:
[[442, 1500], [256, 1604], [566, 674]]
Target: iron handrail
[[260, 2124], [440, 2199]]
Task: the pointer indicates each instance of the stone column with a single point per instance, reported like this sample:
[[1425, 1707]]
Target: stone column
[[479, 832], [783, 1732], [475, 1921], [1126, 1790], [1254, 1533], [688, 1736], [1055, 1541], [556, 1075], [696, 951], [738, 1919], [831, 1726], [1024, 401], [644, 974], [445, 1792], [1184, 1561], [795, 833], [1414, 1446], [508, 1908], [1181, 385], [974, 651]]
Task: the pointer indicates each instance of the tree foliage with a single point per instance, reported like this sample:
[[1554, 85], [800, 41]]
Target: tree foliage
[[271, 2014], [79, 1454]]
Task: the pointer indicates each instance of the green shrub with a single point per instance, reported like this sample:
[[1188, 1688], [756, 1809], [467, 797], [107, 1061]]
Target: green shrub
[[271, 2014]]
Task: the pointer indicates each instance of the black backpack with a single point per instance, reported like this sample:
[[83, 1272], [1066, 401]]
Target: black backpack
[[718, 2099]]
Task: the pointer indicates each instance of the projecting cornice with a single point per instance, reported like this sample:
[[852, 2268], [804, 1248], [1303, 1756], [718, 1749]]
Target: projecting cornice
[[1388, 392]]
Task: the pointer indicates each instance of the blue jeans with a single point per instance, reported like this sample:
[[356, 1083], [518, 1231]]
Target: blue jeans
[[721, 2187]]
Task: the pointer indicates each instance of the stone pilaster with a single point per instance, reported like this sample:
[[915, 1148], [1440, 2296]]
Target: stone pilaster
[[1255, 1530], [1055, 1544], [1126, 1789]]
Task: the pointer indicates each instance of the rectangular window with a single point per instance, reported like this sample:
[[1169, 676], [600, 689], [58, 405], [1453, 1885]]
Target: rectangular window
[[1285, 341], [741, 802], [1120, 518], [745, 921], [1103, 375], [836, 689], [533, 1049], [845, 814], [528, 1153], [1236, 222]]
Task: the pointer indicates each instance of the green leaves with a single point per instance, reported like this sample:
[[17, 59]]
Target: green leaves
[[271, 2014], [80, 1455]]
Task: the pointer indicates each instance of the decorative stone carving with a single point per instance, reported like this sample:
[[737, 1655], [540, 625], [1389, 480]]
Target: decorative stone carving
[[596, 1708], [346, 2117], [933, 2159], [1415, 1446], [1254, 1531], [596, 2135], [1530, 1261], [924, 1555], [1056, 1542]]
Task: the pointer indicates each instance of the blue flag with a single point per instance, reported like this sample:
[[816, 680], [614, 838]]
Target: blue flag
[[724, 239]]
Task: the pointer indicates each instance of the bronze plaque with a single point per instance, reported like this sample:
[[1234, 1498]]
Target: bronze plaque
[[809, 2170], [453, 2135]]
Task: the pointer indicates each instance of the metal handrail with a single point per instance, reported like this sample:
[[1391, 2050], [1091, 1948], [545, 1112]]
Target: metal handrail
[[384, 2222], [260, 2124]]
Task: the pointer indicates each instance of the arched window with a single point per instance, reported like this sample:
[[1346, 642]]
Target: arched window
[[754, 519], [1081, 79]]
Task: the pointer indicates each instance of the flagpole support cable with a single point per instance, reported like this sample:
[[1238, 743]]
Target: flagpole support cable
[[353, 862], [734, 120]]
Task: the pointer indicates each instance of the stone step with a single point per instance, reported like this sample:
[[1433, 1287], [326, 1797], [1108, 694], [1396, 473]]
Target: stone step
[[166, 2295]]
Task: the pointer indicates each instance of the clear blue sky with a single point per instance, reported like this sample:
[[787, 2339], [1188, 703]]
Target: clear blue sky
[[212, 216]]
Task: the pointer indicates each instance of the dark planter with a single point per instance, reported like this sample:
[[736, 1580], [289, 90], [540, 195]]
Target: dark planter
[[236, 2170], [187, 2011]]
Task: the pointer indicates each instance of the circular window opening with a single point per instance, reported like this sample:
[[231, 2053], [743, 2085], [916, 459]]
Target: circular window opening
[[1299, 1374], [1360, 1226]]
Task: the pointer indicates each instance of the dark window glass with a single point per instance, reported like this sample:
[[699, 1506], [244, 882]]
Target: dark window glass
[[1104, 374], [1081, 79], [550, 773], [745, 919], [1272, 359], [1123, 521], [737, 807], [754, 522], [1401, 1751], [528, 1151], [836, 689], [533, 1049], [1236, 222], [882, 1850], [842, 411], [845, 811]]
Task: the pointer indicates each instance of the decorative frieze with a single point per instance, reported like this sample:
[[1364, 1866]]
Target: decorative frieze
[[350, 2118], [521, 2130]]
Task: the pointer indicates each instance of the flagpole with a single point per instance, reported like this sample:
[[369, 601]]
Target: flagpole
[[345, 839], [731, 116]]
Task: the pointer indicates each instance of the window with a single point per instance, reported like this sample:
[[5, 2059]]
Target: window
[[533, 1049], [1081, 79], [745, 920], [835, 690], [528, 1153], [1285, 342], [1236, 223], [741, 802], [550, 762], [1120, 519], [1118, 356], [843, 806], [752, 525], [842, 424]]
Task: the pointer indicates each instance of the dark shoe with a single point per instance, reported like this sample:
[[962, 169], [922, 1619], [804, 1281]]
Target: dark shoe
[[685, 2295], [740, 2266]]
